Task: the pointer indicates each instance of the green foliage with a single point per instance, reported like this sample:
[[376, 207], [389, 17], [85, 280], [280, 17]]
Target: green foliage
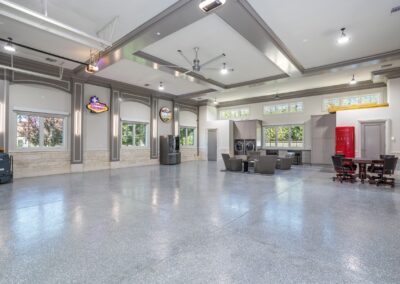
[[53, 131]]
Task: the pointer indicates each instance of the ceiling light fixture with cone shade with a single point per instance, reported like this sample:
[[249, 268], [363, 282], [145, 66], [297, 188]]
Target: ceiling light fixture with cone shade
[[224, 70], [215, 102], [343, 39], [9, 46], [161, 87], [353, 81]]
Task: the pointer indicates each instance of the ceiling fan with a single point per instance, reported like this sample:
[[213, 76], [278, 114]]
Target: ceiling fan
[[196, 66]]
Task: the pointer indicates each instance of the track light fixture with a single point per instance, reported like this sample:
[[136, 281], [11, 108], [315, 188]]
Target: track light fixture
[[92, 66], [353, 81], [9, 46], [343, 39], [161, 87]]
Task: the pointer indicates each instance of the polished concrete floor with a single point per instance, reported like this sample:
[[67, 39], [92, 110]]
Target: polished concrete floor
[[196, 224]]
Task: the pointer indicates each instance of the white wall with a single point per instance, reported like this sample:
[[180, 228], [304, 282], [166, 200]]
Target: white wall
[[133, 111], [187, 118], [390, 114], [207, 120], [311, 105], [96, 126]]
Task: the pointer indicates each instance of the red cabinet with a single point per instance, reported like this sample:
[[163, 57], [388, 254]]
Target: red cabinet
[[345, 141]]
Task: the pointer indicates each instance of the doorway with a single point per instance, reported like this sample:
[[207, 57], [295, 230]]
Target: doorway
[[373, 139], [212, 145]]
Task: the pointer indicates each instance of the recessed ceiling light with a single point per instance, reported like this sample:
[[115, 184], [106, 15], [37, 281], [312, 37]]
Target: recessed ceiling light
[[161, 86], [353, 81], [343, 39], [9, 46], [158, 33]]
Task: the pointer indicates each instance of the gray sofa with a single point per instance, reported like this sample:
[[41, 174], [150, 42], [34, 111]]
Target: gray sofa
[[232, 164], [266, 164]]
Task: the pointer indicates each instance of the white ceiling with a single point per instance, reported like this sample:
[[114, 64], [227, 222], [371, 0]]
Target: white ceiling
[[310, 28], [214, 37], [137, 74], [39, 39], [92, 15], [299, 83]]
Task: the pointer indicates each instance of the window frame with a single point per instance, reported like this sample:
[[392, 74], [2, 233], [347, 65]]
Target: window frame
[[287, 108], [146, 136], [239, 110], [186, 135], [275, 127], [41, 147], [379, 97]]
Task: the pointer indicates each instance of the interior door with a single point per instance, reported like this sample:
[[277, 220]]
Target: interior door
[[372, 139], [212, 145]]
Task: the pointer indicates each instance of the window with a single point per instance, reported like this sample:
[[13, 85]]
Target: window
[[352, 100], [134, 134], [39, 131], [283, 108], [242, 113], [187, 136], [284, 136]]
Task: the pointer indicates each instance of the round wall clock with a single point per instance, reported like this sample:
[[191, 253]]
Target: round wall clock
[[165, 114]]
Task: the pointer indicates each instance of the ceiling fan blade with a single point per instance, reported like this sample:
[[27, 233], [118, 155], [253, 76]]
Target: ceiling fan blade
[[212, 60], [184, 57]]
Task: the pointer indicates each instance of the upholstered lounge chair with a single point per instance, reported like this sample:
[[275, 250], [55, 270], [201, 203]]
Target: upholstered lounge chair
[[284, 163], [232, 164], [266, 164]]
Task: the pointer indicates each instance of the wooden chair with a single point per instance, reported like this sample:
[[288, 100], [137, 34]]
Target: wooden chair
[[382, 170], [345, 169]]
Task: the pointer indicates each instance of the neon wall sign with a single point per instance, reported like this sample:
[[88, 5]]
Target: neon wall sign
[[95, 106]]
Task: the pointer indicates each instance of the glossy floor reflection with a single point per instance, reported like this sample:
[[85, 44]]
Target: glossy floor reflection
[[195, 224]]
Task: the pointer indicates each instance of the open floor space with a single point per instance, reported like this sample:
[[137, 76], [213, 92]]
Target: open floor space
[[194, 223]]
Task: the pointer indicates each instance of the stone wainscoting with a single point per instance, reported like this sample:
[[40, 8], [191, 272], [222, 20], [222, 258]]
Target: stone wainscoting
[[188, 154], [134, 157], [41, 163], [31, 164], [94, 160]]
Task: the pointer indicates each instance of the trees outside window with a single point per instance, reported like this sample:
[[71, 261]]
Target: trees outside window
[[187, 136], [35, 131], [134, 134], [284, 136]]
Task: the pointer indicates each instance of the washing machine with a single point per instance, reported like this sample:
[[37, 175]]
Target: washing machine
[[250, 145], [239, 147]]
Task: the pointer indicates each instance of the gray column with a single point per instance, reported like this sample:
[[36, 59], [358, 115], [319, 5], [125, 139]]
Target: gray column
[[115, 133], [4, 95], [77, 93], [175, 128], [198, 131], [154, 129]]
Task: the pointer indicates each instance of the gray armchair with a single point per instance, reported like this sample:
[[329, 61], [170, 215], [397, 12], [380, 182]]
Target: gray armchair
[[284, 163], [266, 164], [232, 164]]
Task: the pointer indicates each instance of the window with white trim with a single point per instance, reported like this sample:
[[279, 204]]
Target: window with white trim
[[284, 136], [292, 107], [352, 100], [187, 136], [40, 131], [134, 134], [242, 113]]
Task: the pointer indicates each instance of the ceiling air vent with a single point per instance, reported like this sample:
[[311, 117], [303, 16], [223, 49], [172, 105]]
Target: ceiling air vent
[[395, 9]]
